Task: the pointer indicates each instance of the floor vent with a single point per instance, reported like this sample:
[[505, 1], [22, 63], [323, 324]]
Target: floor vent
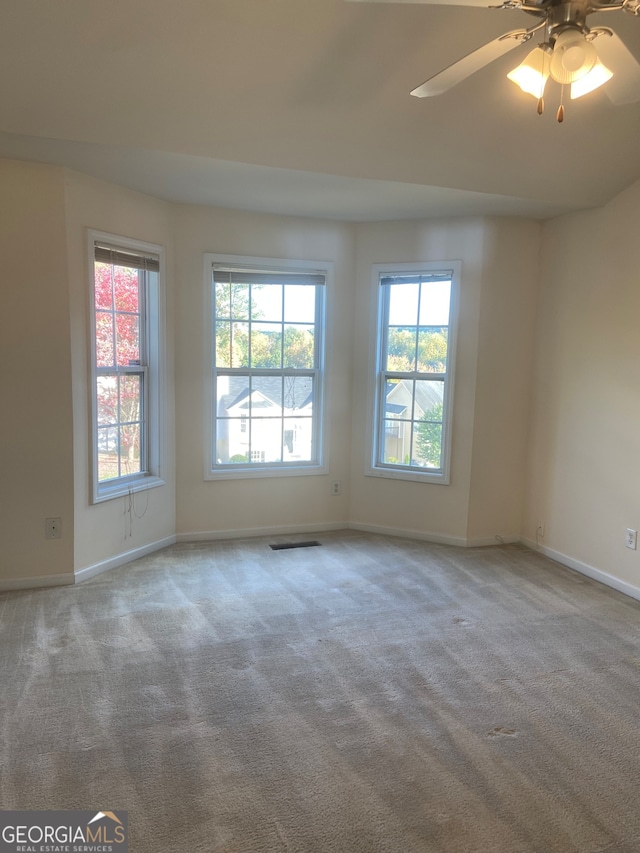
[[287, 545]]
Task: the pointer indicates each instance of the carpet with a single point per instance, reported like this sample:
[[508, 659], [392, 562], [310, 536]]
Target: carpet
[[370, 695]]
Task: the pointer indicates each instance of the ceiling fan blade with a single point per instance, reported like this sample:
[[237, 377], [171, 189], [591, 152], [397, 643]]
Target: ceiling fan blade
[[624, 86], [484, 4], [469, 64]]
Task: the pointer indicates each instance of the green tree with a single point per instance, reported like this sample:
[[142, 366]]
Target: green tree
[[428, 437], [234, 309], [401, 350], [232, 328], [299, 348], [432, 350]]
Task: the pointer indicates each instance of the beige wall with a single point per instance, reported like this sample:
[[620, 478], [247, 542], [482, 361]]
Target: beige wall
[[506, 338], [36, 427], [546, 395], [495, 335], [400, 504], [104, 531], [584, 472], [212, 507]]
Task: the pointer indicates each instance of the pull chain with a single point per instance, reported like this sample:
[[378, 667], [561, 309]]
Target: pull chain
[[560, 115]]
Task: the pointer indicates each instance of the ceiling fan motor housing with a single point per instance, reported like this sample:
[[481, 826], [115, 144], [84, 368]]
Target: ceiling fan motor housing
[[573, 55]]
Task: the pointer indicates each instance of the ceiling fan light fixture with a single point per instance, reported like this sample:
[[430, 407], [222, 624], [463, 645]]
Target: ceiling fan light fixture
[[597, 77], [573, 56], [532, 73]]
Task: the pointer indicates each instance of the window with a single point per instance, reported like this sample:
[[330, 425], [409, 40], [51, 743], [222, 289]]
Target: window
[[267, 360], [414, 371], [125, 366]]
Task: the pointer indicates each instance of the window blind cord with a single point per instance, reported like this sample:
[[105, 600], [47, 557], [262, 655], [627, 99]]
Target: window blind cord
[[130, 512]]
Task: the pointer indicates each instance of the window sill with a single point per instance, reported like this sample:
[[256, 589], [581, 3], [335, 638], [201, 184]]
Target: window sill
[[260, 471], [439, 479], [121, 489]]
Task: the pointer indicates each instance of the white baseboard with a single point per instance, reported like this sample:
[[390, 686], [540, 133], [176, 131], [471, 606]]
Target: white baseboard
[[253, 532], [585, 569], [497, 539], [81, 575], [120, 559], [438, 538], [401, 533], [39, 582]]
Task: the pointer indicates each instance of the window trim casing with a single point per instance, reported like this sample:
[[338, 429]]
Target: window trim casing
[[153, 375], [248, 262], [377, 337]]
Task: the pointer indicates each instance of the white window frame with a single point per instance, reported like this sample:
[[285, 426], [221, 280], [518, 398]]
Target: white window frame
[[212, 471], [376, 398], [151, 369]]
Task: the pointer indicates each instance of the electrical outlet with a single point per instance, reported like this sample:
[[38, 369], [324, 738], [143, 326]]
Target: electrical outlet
[[631, 539], [53, 528], [336, 487], [540, 530]]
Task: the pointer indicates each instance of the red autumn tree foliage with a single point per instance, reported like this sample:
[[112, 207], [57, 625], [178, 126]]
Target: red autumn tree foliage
[[117, 317]]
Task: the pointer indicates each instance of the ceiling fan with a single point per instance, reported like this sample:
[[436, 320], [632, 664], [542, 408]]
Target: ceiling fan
[[570, 52]]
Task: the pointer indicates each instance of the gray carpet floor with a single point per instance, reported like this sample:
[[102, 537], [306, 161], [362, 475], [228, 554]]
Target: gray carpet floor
[[368, 695]]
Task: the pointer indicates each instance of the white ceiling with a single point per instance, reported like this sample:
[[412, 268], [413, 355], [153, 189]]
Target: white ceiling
[[302, 107]]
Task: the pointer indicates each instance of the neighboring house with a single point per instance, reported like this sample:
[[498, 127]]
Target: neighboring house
[[285, 431], [398, 415]]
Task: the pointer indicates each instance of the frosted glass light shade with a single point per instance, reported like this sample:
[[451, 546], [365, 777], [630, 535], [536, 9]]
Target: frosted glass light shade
[[598, 75], [573, 57], [532, 73]]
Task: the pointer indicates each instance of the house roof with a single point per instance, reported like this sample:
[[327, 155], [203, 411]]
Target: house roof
[[427, 395], [268, 395], [303, 108]]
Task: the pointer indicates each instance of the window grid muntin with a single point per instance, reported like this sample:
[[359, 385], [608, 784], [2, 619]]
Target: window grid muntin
[[283, 418], [315, 374], [117, 371], [384, 375]]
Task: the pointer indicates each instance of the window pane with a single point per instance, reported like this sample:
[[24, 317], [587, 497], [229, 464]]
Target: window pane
[[103, 292], [435, 301], [403, 304], [240, 301], [298, 395], [232, 396], [108, 453], [130, 445], [298, 439], [126, 289], [401, 349], [432, 350], [128, 339], [266, 345], [223, 343], [105, 354], [299, 346], [427, 441], [427, 445], [396, 442], [223, 301], [266, 302], [130, 399], [107, 395], [239, 345], [232, 440], [266, 396], [266, 439], [299, 303]]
